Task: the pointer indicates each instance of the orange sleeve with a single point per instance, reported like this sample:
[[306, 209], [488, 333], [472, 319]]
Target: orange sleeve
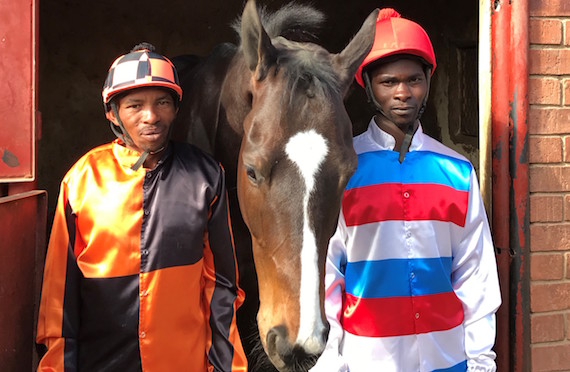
[[58, 302]]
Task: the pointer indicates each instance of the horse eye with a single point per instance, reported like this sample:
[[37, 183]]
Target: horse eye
[[251, 173]]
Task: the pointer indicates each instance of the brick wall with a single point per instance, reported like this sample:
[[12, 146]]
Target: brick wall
[[549, 156]]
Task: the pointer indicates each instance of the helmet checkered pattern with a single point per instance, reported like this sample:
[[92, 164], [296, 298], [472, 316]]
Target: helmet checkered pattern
[[138, 69]]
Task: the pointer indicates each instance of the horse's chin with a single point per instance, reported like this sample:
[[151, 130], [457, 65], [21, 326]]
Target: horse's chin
[[298, 361]]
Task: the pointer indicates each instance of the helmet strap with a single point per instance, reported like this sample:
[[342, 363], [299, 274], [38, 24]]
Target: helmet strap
[[143, 157], [406, 142], [376, 106], [141, 160], [410, 131], [123, 135], [369, 94], [126, 138], [424, 103]]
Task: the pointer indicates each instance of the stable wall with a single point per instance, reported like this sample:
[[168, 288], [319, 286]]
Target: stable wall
[[549, 184]]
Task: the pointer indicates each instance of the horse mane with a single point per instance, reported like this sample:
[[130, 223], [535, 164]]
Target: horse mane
[[297, 22]]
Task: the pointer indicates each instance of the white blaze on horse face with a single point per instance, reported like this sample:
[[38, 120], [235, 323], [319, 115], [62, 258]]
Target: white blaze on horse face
[[308, 151]]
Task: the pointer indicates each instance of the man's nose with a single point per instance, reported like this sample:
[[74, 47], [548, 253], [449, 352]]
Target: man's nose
[[150, 114], [403, 91]]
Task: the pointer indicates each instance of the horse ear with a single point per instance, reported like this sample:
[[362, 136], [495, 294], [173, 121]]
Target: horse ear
[[347, 62], [258, 50]]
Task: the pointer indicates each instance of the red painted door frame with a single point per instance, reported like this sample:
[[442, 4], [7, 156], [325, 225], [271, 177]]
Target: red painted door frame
[[22, 252], [510, 211], [22, 210], [18, 96]]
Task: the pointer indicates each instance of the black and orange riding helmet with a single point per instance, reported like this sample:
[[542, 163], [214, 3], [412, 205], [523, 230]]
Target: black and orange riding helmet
[[142, 67], [139, 68]]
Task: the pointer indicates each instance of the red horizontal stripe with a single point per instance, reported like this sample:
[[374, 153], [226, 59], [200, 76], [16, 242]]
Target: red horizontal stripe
[[396, 316], [398, 202]]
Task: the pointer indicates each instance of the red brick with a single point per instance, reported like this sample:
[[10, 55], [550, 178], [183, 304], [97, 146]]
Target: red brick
[[550, 358], [546, 208], [568, 326], [567, 33], [566, 86], [547, 266], [566, 149], [545, 149], [544, 91], [567, 259], [550, 237], [545, 31], [546, 328], [549, 178], [550, 8], [549, 120], [546, 61], [567, 208], [549, 297]]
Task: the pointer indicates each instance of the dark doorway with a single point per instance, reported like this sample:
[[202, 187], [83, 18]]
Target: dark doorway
[[79, 40]]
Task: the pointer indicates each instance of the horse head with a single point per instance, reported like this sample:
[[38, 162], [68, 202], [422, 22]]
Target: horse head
[[295, 159]]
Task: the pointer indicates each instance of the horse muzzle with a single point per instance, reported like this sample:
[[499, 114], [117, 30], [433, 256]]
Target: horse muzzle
[[298, 357]]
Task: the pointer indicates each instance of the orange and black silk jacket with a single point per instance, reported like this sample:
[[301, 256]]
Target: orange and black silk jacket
[[140, 272]]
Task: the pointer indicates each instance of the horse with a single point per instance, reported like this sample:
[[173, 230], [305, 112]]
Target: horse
[[270, 109]]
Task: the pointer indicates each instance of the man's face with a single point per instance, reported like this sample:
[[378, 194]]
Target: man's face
[[399, 87], [147, 114]]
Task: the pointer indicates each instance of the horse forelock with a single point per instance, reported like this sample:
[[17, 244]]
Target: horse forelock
[[292, 29], [299, 22], [300, 61]]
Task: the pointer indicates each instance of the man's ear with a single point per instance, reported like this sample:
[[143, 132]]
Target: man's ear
[[111, 117]]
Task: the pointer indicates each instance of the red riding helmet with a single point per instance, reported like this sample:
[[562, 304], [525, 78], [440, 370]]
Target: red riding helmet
[[137, 69], [397, 35]]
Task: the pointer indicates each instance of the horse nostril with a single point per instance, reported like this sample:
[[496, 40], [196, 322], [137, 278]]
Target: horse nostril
[[271, 340], [288, 357], [275, 340]]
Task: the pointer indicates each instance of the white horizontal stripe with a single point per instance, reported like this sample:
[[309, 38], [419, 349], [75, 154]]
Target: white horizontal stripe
[[436, 350], [427, 239]]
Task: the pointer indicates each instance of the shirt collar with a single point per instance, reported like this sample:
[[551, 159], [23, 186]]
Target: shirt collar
[[387, 142]]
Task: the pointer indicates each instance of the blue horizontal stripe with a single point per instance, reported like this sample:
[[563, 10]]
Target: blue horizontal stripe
[[380, 167], [460, 367], [398, 277]]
